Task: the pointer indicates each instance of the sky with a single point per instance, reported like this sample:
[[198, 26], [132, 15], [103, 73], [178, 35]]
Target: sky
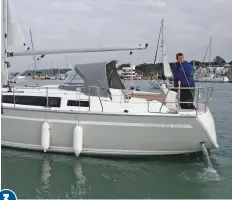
[[188, 26]]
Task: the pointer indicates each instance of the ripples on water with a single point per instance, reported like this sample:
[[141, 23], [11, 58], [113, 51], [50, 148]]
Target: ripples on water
[[63, 176], [34, 175]]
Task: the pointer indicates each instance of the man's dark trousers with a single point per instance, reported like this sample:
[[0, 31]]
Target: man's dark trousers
[[187, 95]]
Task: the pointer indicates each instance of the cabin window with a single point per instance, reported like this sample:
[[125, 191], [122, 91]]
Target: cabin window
[[78, 103], [32, 100]]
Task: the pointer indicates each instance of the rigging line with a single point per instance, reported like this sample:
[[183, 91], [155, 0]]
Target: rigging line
[[37, 61], [32, 46]]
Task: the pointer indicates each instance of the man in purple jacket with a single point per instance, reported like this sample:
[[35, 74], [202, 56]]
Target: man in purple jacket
[[183, 73]]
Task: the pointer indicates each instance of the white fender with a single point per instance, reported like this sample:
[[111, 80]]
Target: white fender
[[77, 140], [45, 139]]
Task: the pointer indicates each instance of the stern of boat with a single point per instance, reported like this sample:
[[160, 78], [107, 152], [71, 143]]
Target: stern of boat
[[206, 121]]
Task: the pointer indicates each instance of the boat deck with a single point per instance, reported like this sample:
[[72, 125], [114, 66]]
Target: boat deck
[[159, 98]]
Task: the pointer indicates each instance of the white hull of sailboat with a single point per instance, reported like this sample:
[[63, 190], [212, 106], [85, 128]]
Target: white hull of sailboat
[[38, 118], [110, 134], [213, 80]]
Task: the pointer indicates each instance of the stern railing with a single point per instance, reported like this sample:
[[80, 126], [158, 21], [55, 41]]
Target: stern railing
[[197, 97]]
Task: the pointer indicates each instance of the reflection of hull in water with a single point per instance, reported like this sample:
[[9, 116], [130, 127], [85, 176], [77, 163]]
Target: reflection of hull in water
[[41, 175], [88, 178]]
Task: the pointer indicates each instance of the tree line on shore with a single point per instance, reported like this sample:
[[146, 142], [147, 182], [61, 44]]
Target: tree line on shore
[[151, 68], [50, 72], [144, 68]]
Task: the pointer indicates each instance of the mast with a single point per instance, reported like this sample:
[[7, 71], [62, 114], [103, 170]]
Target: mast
[[11, 35], [158, 42], [162, 44], [210, 43], [157, 47], [3, 43], [4, 46], [32, 46]]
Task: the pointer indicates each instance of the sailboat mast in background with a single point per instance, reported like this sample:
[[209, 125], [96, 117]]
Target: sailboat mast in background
[[210, 44], [161, 27], [208, 48], [162, 43]]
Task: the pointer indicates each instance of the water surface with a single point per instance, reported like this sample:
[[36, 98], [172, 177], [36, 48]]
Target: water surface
[[36, 175]]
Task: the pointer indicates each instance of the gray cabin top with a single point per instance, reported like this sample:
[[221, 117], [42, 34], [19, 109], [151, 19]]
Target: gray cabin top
[[102, 75]]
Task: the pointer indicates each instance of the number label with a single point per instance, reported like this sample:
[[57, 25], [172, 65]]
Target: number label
[[6, 196]]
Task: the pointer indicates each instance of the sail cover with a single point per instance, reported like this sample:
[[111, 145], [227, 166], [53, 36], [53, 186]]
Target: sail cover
[[102, 75]]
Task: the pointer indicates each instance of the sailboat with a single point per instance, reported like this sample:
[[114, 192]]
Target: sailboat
[[155, 83], [92, 113], [203, 75]]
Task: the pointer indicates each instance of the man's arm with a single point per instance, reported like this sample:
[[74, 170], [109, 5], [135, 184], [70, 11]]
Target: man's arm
[[189, 70]]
